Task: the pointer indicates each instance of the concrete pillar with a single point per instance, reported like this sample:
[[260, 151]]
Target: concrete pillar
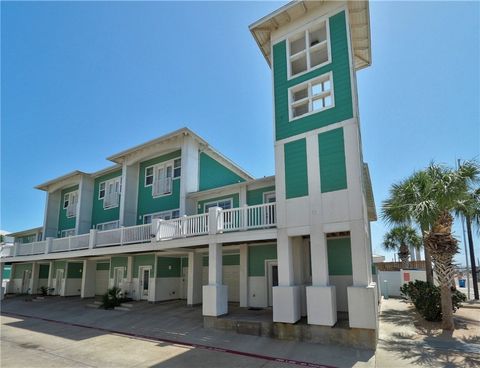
[[128, 197], [194, 278], [128, 283], [244, 275], [215, 295], [34, 278], [48, 245], [92, 240], [286, 296], [321, 298], [88, 279], [50, 276]]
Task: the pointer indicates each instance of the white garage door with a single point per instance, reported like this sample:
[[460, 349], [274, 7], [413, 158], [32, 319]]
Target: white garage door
[[231, 279], [101, 282]]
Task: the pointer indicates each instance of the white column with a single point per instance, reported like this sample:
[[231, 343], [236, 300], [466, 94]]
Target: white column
[[129, 194], [243, 275], [50, 276], [286, 296], [128, 283], [88, 279], [215, 295], [194, 278], [48, 245], [92, 240], [2, 290], [188, 182], [34, 278]]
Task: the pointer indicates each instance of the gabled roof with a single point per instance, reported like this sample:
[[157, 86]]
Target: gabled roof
[[25, 232], [70, 175], [359, 26]]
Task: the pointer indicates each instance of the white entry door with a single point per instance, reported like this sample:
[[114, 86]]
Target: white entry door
[[144, 279], [272, 279], [118, 277], [26, 281], [58, 282]]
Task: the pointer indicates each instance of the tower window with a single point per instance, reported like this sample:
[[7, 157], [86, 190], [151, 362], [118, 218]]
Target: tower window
[[312, 96], [308, 49]]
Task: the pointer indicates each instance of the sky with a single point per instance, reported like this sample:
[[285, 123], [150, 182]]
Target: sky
[[81, 81]]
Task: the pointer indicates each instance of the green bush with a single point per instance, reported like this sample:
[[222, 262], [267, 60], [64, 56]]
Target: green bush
[[426, 299], [43, 290], [111, 298]]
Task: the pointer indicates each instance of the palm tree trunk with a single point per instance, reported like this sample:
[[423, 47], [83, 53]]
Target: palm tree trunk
[[447, 311], [428, 259], [472, 257]]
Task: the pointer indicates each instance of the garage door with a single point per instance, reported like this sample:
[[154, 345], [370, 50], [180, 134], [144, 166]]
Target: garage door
[[231, 279], [101, 278]]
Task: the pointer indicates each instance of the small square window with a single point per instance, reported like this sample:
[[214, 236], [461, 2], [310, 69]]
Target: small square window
[[300, 94], [66, 200], [319, 96], [175, 214], [300, 110], [148, 176]]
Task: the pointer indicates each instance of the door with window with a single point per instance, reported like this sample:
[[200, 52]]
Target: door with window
[[112, 193], [163, 180], [71, 200], [26, 281], [118, 277], [144, 280], [272, 279]]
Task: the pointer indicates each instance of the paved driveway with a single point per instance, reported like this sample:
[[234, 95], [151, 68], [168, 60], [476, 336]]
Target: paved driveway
[[64, 332]]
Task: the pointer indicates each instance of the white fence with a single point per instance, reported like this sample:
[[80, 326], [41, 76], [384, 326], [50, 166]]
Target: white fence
[[391, 281], [216, 221]]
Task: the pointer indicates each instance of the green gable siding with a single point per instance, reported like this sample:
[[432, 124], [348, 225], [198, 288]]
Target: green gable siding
[[18, 270], [296, 176], [43, 271], [99, 214], [235, 201], [74, 270], [146, 203], [30, 238], [339, 257], [64, 222], [257, 256], [168, 267], [340, 68], [103, 266], [256, 196], [143, 260], [333, 172], [227, 260], [7, 272], [118, 262], [213, 174]]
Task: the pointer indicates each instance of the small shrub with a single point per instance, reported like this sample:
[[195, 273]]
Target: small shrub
[[427, 299], [43, 290], [111, 298]]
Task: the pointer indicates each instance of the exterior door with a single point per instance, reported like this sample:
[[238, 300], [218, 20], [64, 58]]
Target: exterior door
[[272, 279], [118, 277], [26, 281], [144, 280], [58, 282]]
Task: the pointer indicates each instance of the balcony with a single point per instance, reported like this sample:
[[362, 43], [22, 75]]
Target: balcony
[[216, 221]]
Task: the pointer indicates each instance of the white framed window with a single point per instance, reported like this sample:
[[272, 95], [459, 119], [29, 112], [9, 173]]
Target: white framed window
[[66, 233], [149, 176], [109, 191], [70, 201], [177, 167], [308, 49], [164, 215], [311, 97], [223, 203], [107, 225]]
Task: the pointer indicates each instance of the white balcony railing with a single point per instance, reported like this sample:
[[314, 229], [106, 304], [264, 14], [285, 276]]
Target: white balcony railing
[[72, 210], [162, 187], [111, 200], [216, 221]]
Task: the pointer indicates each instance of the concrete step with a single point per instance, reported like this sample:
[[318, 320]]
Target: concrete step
[[122, 309]]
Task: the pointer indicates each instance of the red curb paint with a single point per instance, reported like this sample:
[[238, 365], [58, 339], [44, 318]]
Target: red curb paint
[[176, 342]]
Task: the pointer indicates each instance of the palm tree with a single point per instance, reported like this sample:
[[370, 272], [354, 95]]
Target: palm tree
[[402, 238], [429, 198], [469, 208]]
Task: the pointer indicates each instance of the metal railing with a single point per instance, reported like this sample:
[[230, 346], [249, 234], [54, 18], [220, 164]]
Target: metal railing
[[216, 221]]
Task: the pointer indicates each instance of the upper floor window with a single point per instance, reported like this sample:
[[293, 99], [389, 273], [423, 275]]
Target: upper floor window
[[70, 201], [160, 177], [308, 49], [109, 191], [67, 233], [165, 215], [177, 168], [224, 204], [107, 225], [312, 96]]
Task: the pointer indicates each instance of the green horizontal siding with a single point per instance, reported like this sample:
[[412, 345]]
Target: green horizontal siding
[[74, 270], [103, 266], [227, 260], [340, 68], [333, 171], [168, 267], [235, 201], [118, 262], [64, 222], [7, 272], [99, 214], [256, 196], [213, 174], [296, 175], [43, 271], [143, 260], [339, 257], [146, 203], [257, 256], [18, 270]]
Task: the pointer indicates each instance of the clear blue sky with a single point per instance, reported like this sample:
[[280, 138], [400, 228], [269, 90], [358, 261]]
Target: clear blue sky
[[81, 81]]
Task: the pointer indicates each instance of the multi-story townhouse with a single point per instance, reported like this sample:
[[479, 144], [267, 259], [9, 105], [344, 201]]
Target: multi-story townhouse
[[175, 219]]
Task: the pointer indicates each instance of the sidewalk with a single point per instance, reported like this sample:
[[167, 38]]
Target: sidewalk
[[406, 340]]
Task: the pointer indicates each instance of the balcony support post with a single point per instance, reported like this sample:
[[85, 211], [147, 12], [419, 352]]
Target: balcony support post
[[48, 245], [215, 295], [92, 240], [194, 278]]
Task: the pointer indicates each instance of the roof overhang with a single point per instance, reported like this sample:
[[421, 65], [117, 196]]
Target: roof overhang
[[58, 181], [25, 232], [359, 27], [371, 210]]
